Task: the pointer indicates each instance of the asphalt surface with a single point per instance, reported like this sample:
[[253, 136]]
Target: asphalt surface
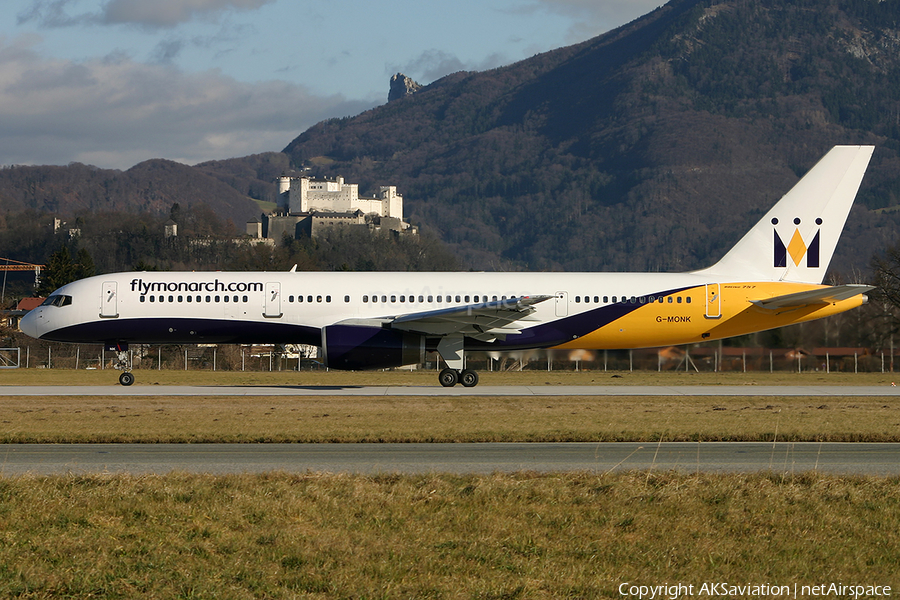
[[718, 457], [435, 390]]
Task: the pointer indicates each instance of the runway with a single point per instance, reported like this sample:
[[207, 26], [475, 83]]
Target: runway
[[841, 391], [370, 459]]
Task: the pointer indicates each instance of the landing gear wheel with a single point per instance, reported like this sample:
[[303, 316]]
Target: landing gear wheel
[[448, 377], [468, 378], [126, 378]]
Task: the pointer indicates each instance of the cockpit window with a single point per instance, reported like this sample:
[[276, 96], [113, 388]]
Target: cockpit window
[[58, 300]]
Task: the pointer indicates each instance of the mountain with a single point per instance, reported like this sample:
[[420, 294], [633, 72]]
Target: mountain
[[652, 147], [152, 186]]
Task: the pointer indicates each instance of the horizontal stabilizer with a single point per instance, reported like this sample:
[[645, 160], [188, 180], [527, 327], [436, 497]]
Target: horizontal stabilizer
[[825, 295]]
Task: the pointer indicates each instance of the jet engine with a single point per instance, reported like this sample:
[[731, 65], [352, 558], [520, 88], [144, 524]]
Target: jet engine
[[360, 348]]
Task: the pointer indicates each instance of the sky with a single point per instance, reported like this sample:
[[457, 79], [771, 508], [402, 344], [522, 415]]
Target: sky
[[112, 83]]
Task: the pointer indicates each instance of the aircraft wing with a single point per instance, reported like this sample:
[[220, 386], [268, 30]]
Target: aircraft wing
[[486, 321], [826, 295]]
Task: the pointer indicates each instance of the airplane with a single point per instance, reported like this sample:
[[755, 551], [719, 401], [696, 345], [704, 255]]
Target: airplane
[[374, 320]]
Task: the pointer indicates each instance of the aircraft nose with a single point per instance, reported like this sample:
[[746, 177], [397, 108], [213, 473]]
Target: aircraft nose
[[31, 323]]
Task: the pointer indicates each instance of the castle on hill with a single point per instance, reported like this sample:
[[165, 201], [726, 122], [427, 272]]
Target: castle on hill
[[307, 205]]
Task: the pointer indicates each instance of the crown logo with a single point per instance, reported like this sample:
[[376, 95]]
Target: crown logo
[[797, 248]]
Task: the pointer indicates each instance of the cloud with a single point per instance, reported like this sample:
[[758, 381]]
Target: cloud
[[169, 13], [114, 112], [433, 64], [155, 14], [593, 17]]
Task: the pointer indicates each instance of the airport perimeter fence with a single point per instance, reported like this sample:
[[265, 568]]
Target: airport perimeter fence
[[275, 358]]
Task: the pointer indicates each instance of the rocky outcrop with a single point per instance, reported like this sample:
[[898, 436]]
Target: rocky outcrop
[[401, 86]]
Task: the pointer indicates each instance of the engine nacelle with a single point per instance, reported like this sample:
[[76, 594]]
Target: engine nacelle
[[358, 348]]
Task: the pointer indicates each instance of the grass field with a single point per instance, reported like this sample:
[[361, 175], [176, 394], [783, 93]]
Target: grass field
[[70, 419], [523, 535], [496, 536]]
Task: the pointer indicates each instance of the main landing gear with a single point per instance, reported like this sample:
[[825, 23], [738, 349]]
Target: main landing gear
[[451, 350], [450, 377]]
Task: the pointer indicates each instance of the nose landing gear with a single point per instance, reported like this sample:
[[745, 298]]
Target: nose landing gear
[[122, 363]]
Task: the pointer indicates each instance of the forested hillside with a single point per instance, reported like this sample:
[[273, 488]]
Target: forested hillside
[[152, 186], [652, 147]]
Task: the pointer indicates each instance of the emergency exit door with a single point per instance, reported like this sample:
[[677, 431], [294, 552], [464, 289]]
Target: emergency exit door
[[272, 308]]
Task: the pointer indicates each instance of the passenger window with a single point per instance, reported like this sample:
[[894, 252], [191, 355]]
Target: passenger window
[[309, 298], [467, 298], [365, 299], [577, 299], [679, 300], [670, 299], [393, 298], [225, 298], [143, 298], [458, 299], [209, 298], [244, 298], [218, 299], [431, 298], [384, 298], [346, 298], [688, 300], [606, 300], [614, 299], [402, 298], [290, 298]]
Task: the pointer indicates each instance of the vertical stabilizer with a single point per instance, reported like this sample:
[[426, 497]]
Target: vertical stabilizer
[[794, 241]]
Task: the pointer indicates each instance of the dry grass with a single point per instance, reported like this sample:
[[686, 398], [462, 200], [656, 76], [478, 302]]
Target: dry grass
[[497, 536], [443, 419]]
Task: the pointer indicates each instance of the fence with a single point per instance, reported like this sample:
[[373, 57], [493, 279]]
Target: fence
[[275, 358]]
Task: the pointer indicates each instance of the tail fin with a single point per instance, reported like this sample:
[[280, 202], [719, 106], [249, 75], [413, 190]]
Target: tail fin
[[794, 241]]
